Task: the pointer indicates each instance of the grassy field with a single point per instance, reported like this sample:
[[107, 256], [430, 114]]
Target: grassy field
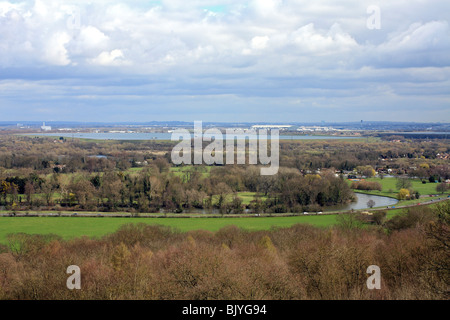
[[72, 227], [181, 171], [389, 188], [245, 196]]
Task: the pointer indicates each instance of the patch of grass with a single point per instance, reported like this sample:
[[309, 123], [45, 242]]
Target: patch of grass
[[182, 171], [72, 227], [247, 197], [389, 188]]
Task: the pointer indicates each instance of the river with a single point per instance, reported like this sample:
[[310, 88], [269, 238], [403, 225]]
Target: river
[[361, 202]]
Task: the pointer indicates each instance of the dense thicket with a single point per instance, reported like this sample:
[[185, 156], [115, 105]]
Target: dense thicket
[[301, 262]]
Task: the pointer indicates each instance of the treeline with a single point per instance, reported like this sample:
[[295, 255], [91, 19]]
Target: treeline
[[45, 155], [157, 188], [401, 158], [148, 262]]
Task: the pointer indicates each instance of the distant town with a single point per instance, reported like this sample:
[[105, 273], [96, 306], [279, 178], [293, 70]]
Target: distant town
[[321, 128]]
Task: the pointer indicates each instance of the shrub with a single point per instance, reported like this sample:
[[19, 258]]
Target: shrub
[[403, 194], [366, 185], [300, 262]]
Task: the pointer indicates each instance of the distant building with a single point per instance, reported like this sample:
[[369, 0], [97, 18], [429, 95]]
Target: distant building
[[315, 129], [45, 128], [281, 127]]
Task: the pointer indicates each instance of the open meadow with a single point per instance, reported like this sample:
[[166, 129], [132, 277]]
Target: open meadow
[[71, 227]]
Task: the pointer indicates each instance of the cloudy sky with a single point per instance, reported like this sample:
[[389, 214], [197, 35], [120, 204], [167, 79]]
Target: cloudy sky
[[225, 60]]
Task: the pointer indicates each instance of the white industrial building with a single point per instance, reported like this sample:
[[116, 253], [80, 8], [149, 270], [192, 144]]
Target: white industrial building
[[45, 128]]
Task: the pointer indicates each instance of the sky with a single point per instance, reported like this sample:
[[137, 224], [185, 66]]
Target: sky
[[225, 60]]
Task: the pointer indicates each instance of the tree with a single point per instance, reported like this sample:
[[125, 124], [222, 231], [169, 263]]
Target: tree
[[84, 192], [348, 221], [370, 203], [236, 204], [162, 164], [442, 187], [29, 191], [256, 205], [403, 194], [266, 184], [222, 190], [367, 171], [111, 189], [403, 183], [378, 217]]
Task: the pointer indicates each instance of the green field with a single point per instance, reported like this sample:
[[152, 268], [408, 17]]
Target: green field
[[72, 227], [389, 188], [245, 196], [183, 170]]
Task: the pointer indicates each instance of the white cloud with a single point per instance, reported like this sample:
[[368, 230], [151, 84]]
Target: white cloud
[[178, 31], [308, 39], [420, 36], [113, 58], [87, 43], [55, 52], [265, 7], [259, 43]]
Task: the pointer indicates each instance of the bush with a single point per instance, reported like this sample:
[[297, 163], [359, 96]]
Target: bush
[[442, 187], [410, 219], [366, 185], [403, 194], [379, 217], [300, 262]]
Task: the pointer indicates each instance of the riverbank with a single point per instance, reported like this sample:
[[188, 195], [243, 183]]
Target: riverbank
[[80, 214]]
